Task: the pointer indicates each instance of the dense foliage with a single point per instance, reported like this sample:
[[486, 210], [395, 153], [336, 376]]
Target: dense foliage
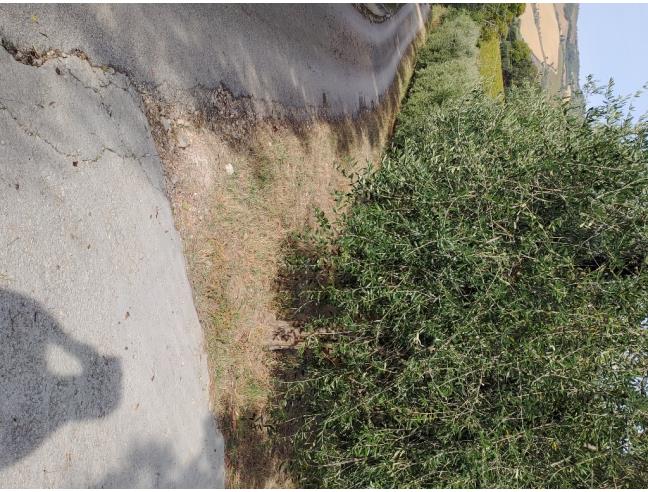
[[446, 68], [494, 18], [482, 303], [455, 38], [517, 65]]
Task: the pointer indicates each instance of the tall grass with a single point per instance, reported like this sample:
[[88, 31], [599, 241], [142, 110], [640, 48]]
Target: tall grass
[[484, 294]]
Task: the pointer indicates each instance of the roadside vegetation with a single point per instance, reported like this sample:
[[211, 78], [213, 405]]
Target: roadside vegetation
[[490, 67], [517, 65], [504, 57], [240, 187], [494, 19], [476, 308]]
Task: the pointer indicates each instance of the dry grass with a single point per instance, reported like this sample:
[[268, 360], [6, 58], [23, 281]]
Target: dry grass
[[531, 33], [233, 226], [549, 33], [542, 26]]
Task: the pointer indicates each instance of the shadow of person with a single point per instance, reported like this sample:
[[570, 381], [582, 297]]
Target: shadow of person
[[34, 400]]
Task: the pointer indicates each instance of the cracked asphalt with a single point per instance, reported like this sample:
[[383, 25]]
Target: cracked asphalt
[[103, 375], [103, 378], [285, 56]]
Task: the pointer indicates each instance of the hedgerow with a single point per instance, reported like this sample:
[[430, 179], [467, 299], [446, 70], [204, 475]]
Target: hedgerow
[[483, 301], [446, 68]]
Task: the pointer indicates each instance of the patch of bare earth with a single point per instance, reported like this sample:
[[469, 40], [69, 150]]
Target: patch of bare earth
[[545, 29], [240, 186]]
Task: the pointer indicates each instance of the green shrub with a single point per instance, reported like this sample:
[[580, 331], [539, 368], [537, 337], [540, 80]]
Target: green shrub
[[517, 64], [455, 38], [522, 68], [490, 66], [446, 68], [485, 297]]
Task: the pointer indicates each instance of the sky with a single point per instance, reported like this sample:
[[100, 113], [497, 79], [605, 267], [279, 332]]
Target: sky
[[613, 42]]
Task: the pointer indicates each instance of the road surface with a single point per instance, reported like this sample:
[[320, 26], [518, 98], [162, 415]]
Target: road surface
[[284, 56], [103, 376]]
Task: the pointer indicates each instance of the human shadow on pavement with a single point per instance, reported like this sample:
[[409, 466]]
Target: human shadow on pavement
[[34, 401]]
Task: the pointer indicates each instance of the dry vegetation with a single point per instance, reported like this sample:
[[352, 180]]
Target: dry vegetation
[[234, 226], [239, 187]]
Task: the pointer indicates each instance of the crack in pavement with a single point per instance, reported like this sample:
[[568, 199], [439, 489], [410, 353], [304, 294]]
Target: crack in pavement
[[102, 76], [37, 59], [32, 133]]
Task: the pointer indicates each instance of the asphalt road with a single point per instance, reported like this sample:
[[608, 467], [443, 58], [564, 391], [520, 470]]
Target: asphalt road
[[283, 55], [103, 376]]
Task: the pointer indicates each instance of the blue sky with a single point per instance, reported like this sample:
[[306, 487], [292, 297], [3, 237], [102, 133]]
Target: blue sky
[[613, 42]]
